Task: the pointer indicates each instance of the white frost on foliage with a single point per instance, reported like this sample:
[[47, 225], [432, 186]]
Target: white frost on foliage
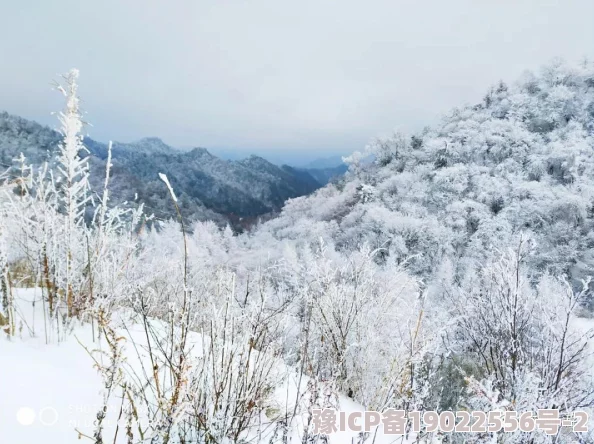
[[164, 178]]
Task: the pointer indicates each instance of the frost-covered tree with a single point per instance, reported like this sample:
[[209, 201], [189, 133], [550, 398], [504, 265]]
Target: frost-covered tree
[[516, 335], [73, 180]]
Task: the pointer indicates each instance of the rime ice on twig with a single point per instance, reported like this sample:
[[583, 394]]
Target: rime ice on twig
[[163, 177]]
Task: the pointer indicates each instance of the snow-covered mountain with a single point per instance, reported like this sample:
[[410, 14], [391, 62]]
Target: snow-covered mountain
[[522, 160], [208, 187]]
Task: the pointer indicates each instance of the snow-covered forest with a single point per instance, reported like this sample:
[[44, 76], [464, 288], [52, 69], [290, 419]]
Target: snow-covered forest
[[452, 273]]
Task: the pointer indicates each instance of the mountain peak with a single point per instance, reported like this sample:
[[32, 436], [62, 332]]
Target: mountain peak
[[151, 139], [153, 144], [253, 159], [199, 151]]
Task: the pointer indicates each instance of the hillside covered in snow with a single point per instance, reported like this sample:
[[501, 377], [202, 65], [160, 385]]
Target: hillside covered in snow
[[521, 161]]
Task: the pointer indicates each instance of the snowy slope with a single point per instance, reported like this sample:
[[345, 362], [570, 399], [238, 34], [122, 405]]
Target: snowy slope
[[50, 392]]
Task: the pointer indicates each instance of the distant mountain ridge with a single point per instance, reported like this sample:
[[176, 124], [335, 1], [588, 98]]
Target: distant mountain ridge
[[325, 163], [326, 175], [208, 187]]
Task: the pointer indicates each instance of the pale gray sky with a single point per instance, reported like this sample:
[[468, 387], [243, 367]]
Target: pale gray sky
[[257, 75]]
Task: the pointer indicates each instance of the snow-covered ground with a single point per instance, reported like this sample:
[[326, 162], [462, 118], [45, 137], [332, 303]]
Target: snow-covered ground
[[49, 391]]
